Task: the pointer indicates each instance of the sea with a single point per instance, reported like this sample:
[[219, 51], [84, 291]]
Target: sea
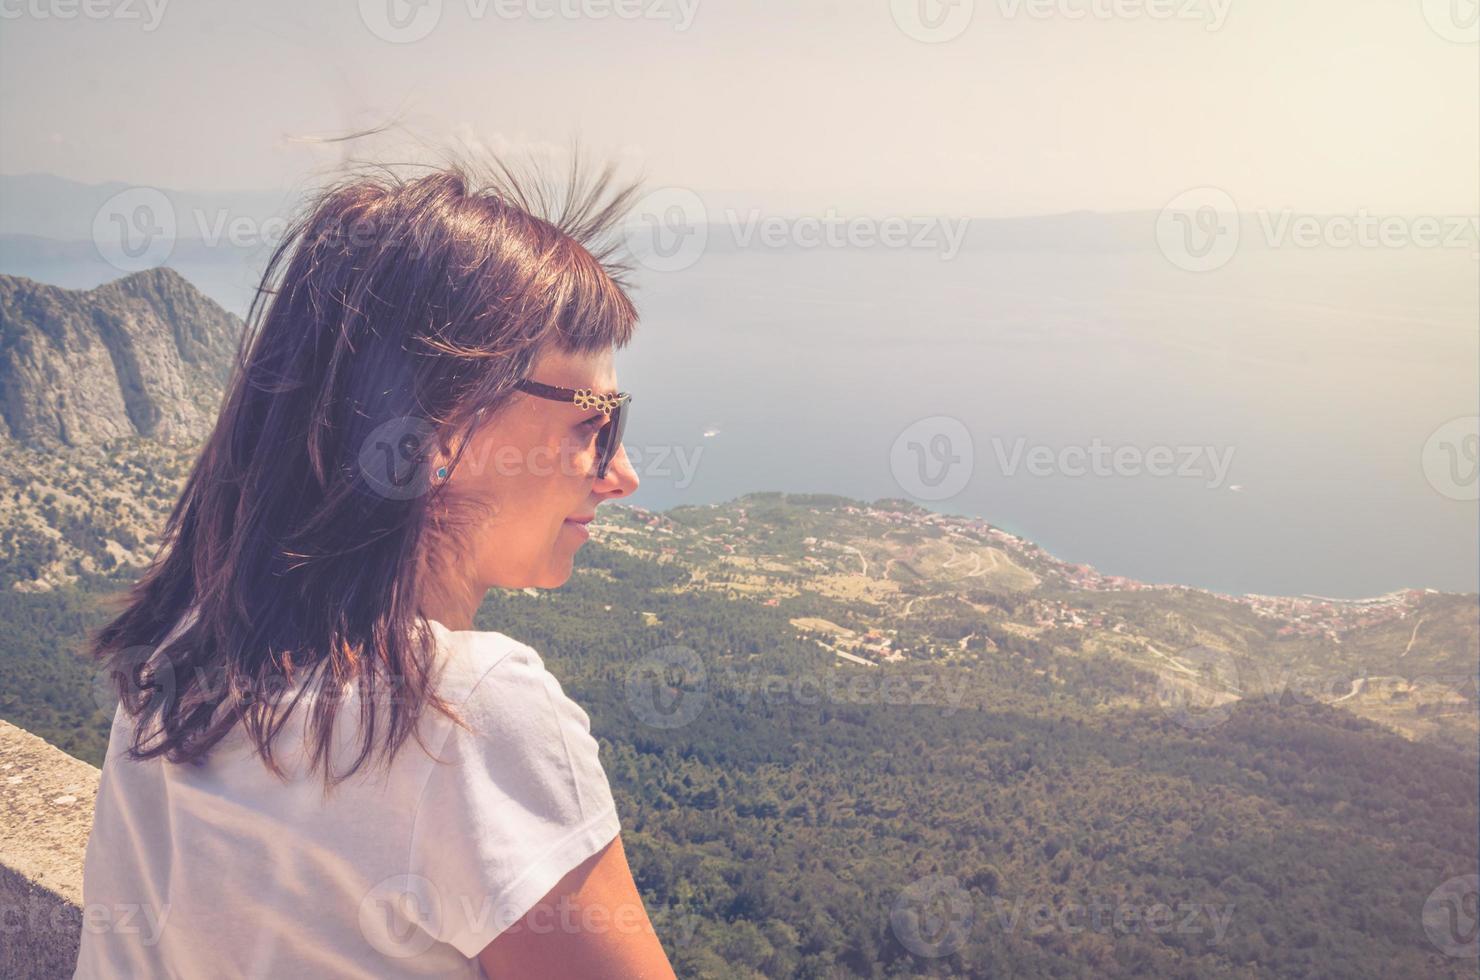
[[1295, 421]]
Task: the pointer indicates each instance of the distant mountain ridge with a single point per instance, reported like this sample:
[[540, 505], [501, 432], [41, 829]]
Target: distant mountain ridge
[[146, 355], [62, 210]]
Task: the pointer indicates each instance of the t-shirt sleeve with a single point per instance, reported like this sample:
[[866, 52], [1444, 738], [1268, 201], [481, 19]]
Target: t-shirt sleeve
[[515, 804]]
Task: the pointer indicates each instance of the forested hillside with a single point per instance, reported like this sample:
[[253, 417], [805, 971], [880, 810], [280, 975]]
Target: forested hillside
[[791, 813]]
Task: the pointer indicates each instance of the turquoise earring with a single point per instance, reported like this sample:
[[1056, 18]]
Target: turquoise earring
[[441, 472]]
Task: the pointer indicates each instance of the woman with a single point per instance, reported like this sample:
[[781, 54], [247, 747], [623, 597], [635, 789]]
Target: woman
[[318, 767]]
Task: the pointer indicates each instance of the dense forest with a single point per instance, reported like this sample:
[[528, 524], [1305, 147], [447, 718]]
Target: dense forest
[[788, 814]]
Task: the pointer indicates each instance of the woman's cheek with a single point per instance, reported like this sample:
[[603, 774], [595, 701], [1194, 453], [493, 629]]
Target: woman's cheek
[[571, 456]]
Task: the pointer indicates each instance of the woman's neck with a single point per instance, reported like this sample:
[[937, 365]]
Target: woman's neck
[[453, 608]]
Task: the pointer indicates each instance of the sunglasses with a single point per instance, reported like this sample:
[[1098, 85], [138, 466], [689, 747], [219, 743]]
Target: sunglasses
[[612, 404]]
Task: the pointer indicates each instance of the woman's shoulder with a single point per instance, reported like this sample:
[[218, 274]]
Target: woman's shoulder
[[500, 684], [517, 798], [467, 657], [526, 752]]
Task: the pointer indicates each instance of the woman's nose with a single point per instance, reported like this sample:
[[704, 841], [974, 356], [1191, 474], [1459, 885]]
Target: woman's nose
[[621, 479]]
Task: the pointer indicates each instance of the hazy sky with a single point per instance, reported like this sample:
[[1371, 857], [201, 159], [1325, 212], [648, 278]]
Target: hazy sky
[[1031, 106]]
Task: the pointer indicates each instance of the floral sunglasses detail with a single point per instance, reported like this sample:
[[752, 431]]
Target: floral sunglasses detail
[[612, 404]]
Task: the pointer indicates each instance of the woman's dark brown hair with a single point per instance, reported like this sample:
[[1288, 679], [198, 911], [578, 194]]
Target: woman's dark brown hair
[[399, 310]]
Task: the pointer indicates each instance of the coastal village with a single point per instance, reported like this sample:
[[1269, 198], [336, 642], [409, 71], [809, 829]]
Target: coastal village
[[890, 582], [728, 538]]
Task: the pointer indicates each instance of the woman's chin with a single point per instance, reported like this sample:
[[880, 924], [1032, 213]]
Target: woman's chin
[[557, 574]]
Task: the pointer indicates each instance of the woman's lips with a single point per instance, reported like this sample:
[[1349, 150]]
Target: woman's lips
[[579, 526]]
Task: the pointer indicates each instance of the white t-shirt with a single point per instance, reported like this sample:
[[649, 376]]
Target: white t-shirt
[[223, 870]]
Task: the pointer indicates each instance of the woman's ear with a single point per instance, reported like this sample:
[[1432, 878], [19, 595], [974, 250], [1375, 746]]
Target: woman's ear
[[439, 460], [448, 442]]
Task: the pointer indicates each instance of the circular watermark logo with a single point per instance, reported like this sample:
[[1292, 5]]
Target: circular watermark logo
[[401, 916], [104, 688], [135, 229], [933, 916], [932, 21], [1198, 230], [1451, 917], [933, 458], [1451, 458], [668, 687], [1194, 687], [667, 229], [401, 21], [1453, 20], [153, 681], [393, 458]]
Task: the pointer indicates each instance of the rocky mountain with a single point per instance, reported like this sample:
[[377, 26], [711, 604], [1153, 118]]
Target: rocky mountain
[[147, 355], [105, 396]]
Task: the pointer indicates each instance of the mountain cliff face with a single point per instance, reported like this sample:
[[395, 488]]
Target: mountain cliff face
[[147, 355]]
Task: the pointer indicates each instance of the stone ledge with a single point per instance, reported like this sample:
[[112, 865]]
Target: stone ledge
[[46, 809]]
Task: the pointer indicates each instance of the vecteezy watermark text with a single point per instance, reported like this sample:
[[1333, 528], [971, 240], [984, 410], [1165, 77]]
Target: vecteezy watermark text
[[1207, 463], [834, 230], [935, 916], [938, 21], [671, 228], [148, 12], [402, 915], [394, 461], [934, 458], [142, 920], [671, 687], [1202, 229], [407, 21]]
